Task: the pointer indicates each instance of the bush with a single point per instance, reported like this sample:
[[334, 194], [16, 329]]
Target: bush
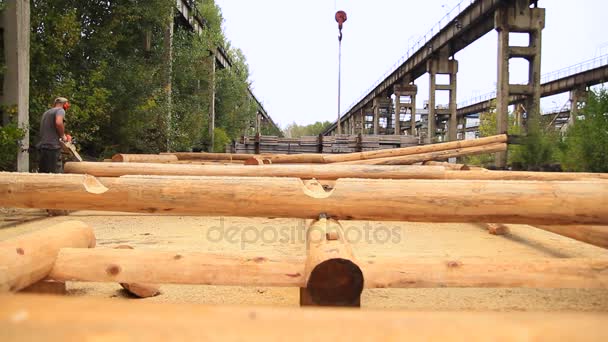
[[9, 146], [585, 147], [221, 139]]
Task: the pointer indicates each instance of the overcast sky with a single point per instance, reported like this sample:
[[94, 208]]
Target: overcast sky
[[292, 49]]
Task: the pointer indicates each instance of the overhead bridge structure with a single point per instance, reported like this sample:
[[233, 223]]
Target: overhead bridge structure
[[434, 54], [575, 79]]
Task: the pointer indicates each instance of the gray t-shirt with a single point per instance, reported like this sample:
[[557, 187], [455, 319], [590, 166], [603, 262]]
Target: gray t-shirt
[[48, 133]]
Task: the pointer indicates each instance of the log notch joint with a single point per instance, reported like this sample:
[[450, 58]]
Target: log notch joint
[[333, 277]]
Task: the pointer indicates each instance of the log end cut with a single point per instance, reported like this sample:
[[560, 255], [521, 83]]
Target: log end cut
[[335, 282]]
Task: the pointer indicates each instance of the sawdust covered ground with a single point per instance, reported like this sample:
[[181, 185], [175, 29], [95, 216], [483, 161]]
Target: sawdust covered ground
[[274, 238]]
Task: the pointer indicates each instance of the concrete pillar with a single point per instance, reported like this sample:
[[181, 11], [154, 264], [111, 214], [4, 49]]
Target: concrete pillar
[[397, 112], [376, 124], [453, 124], [431, 119], [408, 91], [462, 130], [413, 111], [577, 96], [518, 17], [442, 65], [15, 22], [362, 121]]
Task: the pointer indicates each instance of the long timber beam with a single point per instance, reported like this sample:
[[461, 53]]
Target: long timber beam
[[527, 202]]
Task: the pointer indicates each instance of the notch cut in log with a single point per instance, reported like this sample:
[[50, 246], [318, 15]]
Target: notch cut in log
[[439, 155], [144, 158], [594, 235], [29, 258], [350, 199], [332, 275]]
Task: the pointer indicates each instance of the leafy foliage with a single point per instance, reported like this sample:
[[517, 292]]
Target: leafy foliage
[[10, 135], [585, 146], [294, 130], [109, 60]]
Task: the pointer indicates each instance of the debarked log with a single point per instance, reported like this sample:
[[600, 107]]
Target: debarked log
[[528, 202], [29, 258], [195, 268]]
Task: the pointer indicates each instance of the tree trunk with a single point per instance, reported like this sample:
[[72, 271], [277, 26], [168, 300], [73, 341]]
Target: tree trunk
[[29, 258], [527, 202]]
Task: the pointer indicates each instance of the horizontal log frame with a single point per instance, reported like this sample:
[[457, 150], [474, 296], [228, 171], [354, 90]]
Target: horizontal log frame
[[161, 267]]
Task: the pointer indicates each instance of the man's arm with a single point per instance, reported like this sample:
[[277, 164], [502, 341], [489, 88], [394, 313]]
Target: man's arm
[[60, 127]]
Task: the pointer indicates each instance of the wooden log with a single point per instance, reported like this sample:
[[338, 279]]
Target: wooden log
[[143, 158], [594, 235], [524, 175], [483, 272], [331, 272], [210, 156], [160, 267], [29, 258], [138, 289], [34, 318], [326, 172], [257, 161], [528, 202], [194, 268], [448, 166], [439, 155], [304, 171], [305, 158], [405, 151]]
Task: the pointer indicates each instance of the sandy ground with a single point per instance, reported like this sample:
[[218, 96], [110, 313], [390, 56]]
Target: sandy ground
[[284, 237]]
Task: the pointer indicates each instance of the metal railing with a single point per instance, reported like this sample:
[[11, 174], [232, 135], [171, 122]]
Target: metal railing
[[546, 78]]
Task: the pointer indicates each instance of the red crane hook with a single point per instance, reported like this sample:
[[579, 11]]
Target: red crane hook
[[340, 18]]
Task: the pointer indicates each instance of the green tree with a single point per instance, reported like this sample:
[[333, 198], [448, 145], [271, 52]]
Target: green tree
[[294, 130], [585, 146]]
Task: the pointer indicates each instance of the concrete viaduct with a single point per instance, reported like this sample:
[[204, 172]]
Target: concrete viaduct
[[436, 57]]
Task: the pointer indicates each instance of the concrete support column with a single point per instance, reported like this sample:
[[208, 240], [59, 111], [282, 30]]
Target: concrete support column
[[376, 124], [453, 124], [362, 121], [15, 22], [442, 65], [397, 112], [462, 131], [520, 18], [432, 119], [413, 112], [577, 96]]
